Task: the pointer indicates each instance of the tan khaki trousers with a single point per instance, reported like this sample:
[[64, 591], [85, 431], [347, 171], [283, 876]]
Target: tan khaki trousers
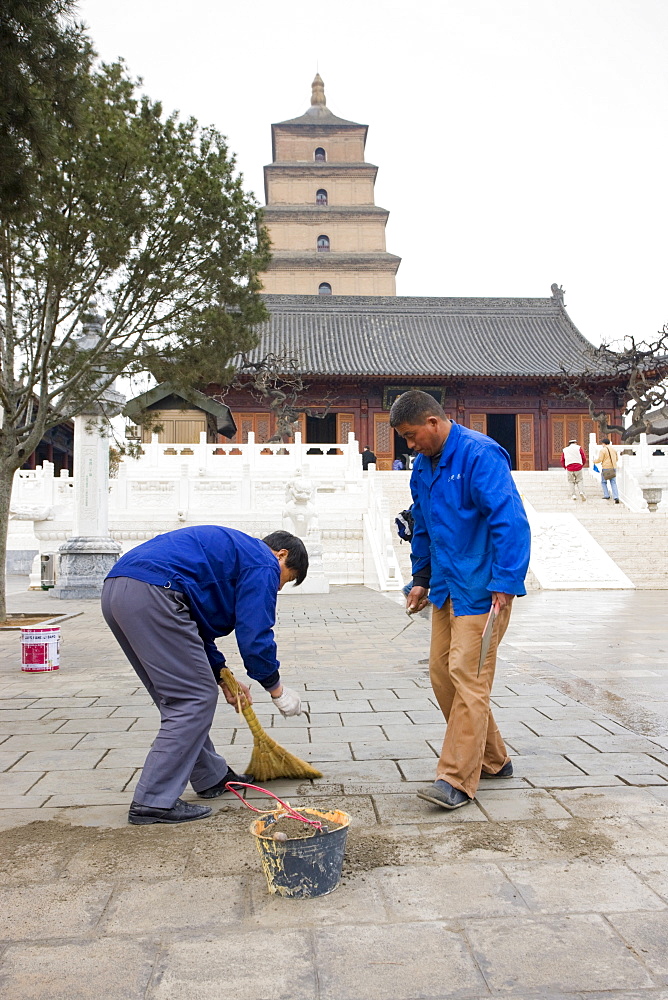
[[472, 739]]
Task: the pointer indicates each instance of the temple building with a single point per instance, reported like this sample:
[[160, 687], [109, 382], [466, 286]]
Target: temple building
[[496, 364]]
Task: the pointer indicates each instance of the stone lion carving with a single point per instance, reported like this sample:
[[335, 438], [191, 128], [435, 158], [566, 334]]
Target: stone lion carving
[[300, 515], [30, 512]]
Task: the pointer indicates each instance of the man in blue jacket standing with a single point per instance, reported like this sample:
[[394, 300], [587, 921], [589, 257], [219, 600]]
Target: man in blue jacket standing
[[166, 601], [470, 552]]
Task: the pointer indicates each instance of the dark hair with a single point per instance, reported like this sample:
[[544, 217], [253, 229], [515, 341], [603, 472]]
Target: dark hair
[[413, 407], [297, 557], [606, 440]]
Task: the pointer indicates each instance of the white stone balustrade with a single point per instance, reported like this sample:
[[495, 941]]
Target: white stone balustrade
[[241, 486], [641, 466]]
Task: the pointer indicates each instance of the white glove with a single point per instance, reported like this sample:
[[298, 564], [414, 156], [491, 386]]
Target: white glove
[[288, 703]]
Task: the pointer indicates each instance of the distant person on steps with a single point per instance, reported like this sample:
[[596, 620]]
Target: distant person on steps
[[573, 460], [607, 462]]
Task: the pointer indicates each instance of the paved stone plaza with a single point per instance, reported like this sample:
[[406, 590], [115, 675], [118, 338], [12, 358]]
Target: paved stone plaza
[[551, 884]]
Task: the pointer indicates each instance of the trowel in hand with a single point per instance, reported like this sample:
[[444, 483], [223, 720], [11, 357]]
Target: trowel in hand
[[487, 633]]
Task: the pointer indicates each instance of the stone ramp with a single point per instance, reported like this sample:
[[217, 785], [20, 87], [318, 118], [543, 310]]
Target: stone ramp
[[638, 543], [396, 488]]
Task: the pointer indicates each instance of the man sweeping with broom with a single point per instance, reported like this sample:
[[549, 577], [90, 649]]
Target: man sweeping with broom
[[166, 601]]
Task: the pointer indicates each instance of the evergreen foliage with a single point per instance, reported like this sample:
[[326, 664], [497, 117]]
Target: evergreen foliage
[[134, 215]]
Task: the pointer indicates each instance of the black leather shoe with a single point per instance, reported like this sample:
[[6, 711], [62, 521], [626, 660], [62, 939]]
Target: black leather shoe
[[442, 793], [219, 789], [505, 772], [181, 812]]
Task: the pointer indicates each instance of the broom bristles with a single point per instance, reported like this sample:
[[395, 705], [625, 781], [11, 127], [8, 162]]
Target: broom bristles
[[268, 760]]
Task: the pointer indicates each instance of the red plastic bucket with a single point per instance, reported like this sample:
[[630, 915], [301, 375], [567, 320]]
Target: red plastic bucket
[[40, 649]]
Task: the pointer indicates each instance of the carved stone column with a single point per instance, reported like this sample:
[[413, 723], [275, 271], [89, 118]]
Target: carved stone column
[[87, 557]]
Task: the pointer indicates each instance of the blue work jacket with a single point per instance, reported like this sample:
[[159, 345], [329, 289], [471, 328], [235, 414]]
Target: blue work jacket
[[230, 581], [471, 535]]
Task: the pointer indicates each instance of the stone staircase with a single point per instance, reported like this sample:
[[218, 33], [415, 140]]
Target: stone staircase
[[638, 543]]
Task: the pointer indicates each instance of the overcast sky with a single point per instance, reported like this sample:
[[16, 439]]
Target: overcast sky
[[519, 142]]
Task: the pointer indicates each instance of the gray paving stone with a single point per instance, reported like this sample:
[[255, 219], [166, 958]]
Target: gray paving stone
[[409, 704], [132, 757], [421, 769], [121, 700], [39, 727], [321, 751], [195, 968], [542, 745], [14, 703], [79, 713], [653, 871], [71, 800], [45, 741], [621, 744], [611, 802], [98, 780], [553, 764], [615, 763], [399, 809], [346, 734], [581, 886], [135, 712], [574, 780], [115, 741], [22, 715], [94, 726], [661, 794], [410, 731], [556, 953], [354, 901], [392, 750], [645, 780], [384, 681], [8, 758], [27, 802], [18, 783], [445, 892], [51, 911], [359, 770], [78, 970], [390, 961], [420, 717], [177, 904], [647, 934], [58, 760], [569, 727], [344, 684], [327, 707], [63, 702], [377, 718], [519, 804]]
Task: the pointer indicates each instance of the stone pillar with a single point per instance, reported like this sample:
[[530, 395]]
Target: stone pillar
[[87, 557]]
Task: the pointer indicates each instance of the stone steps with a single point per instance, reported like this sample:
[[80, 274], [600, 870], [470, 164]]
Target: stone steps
[[638, 543]]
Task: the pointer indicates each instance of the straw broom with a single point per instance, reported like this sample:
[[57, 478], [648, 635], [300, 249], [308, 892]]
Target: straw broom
[[268, 760]]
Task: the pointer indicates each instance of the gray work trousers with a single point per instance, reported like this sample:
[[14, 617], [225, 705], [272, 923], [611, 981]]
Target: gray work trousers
[[155, 631]]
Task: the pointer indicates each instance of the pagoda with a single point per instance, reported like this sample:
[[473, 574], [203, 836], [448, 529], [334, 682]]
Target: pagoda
[[327, 233]]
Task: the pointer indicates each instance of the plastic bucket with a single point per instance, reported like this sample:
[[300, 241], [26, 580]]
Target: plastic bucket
[[300, 869], [40, 649]]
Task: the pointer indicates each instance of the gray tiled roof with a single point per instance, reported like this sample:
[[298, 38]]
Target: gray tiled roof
[[409, 336], [319, 114]]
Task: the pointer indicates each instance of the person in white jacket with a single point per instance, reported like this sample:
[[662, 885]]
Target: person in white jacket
[[573, 460]]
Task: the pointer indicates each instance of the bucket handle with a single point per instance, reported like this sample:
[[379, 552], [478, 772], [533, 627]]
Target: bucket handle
[[292, 813]]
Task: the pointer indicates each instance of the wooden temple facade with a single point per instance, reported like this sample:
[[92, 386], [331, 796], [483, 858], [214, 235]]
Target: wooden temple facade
[[496, 365]]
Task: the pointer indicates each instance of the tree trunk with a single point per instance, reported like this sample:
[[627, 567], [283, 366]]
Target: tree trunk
[[6, 483]]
